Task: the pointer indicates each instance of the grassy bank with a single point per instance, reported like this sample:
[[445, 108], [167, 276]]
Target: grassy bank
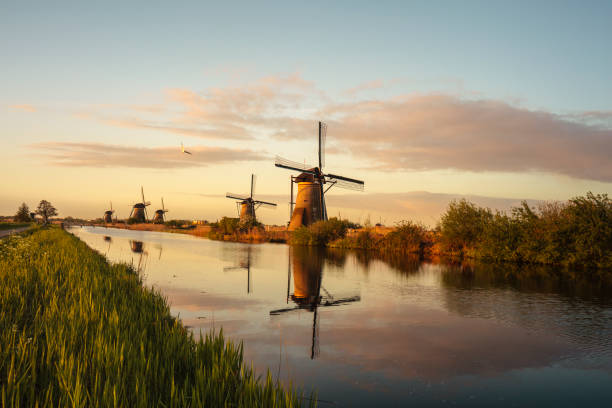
[[77, 331], [235, 230], [577, 233], [12, 225]]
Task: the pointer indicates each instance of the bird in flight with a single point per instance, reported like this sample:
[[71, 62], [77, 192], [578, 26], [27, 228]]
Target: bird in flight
[[183, 149]]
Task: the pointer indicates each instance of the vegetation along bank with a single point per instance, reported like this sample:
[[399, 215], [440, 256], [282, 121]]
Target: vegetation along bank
[[576, 233], [78, 331]]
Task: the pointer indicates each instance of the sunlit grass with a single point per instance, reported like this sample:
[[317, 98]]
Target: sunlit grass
[[78, 331]]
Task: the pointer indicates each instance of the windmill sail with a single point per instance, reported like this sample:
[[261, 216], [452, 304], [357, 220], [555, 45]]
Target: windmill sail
[[291, 165]]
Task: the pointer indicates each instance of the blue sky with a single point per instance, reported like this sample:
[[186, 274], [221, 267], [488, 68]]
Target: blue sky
[[67, 60]]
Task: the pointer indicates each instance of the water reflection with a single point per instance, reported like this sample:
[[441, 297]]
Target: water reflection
[[401, 332], [307, 286], [244, 264]]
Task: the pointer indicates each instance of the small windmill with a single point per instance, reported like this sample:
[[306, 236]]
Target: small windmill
[[310, 201], [247, 204], [160, 216], [139, 210], [108, 214]]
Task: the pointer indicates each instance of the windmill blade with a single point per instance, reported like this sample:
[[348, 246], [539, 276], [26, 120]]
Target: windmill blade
[[253, 183], [241, 197], [291, 165], [338, 302], [163, 207], [281, 311], [322, 137], [345, 182], [142, 192], [265, 204]]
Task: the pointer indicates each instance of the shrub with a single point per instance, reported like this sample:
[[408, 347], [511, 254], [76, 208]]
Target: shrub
[[462, 225]]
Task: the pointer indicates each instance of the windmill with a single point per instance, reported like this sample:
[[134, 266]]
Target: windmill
[[159, 216], [307, 287], [108, 214], [310, 201], [247, 204], [139, 210], [243, 265]]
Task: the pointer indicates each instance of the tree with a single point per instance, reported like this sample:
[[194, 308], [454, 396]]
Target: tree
[[46, 210], [23, 213]]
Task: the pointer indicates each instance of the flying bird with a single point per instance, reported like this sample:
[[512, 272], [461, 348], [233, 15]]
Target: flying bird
[[183, 149]]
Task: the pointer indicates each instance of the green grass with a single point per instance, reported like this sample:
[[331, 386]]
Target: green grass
[[11, 225], [78, 331]]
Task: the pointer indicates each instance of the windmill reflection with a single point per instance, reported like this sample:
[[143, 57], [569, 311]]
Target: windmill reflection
[[109, 240], [243, 264], [137, 247], [308, 291]]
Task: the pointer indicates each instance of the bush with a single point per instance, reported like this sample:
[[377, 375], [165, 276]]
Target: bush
[[576, 233], [321, 232], [463, 224]]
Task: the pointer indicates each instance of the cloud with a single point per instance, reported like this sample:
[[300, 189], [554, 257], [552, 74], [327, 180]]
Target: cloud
[[24, 107], [409, 132], [366, 86], [430, 132], [103, 155], [233, 112]]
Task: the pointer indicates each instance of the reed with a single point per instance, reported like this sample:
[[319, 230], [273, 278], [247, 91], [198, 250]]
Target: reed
[[78, 331]]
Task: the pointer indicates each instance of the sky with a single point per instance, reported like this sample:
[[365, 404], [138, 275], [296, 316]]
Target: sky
[[425, 101]]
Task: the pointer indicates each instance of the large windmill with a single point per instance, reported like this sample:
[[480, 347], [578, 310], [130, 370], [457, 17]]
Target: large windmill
[[247, 204], [310, 201], [307, 287], [160, 215], [108, 214], [139, 210]]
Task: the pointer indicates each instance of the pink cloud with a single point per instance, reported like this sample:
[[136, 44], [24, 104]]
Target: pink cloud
[[24, 107], [103, 155]]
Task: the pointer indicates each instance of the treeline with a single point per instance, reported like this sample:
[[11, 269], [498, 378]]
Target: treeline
[[575, 233]]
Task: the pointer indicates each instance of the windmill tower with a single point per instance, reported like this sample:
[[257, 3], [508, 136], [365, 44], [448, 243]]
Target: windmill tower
[[139, 210], [307, 287], [247, 204], [159, 217], [108, 215], [310, 201]]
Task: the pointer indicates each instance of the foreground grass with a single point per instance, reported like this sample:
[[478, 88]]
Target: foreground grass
[[77, 331]]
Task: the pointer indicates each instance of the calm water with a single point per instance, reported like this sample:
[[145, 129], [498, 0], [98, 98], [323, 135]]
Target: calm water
[[394, 332]]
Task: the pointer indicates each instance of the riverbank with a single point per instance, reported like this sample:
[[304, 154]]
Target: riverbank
[[76, 330]]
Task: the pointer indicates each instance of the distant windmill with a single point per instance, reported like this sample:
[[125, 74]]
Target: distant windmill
[[108, 214], [183, 149], [310, 201], [139, 210], [160, 216], [247, 203], [307, 286]]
